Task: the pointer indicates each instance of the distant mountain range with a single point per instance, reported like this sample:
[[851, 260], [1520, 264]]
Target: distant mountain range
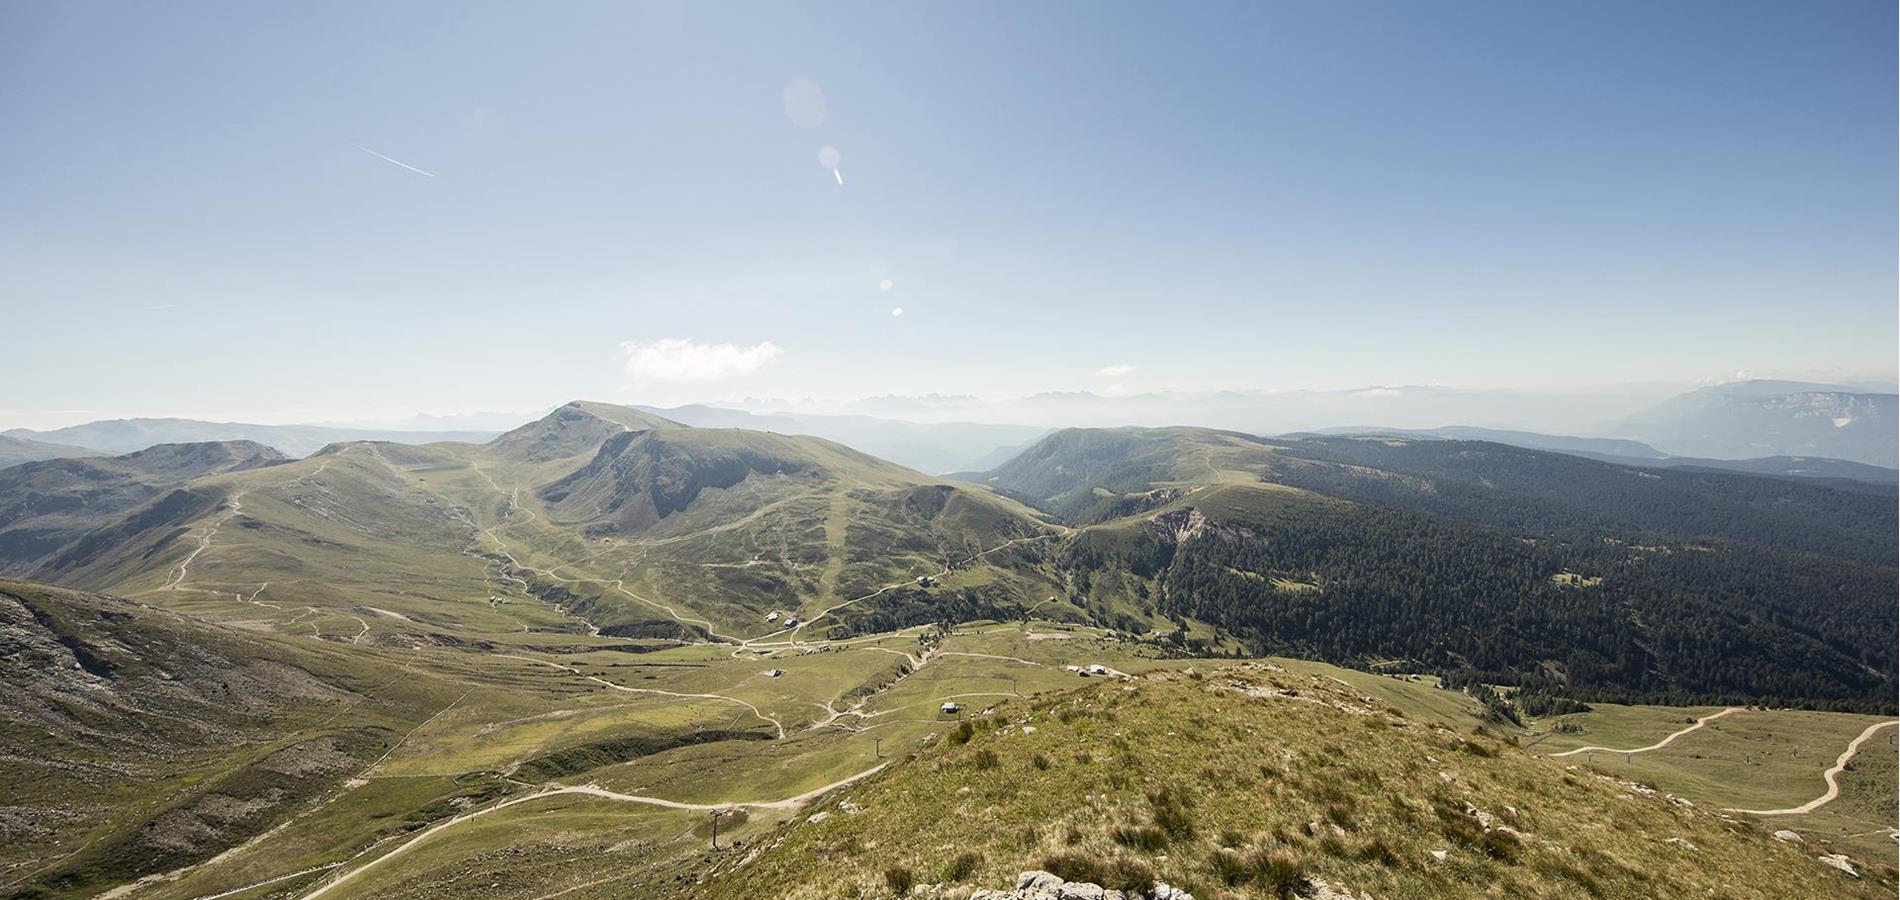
[[115, 436], [1798, 429], [931, 447], [1636, 453], [1773, 418]]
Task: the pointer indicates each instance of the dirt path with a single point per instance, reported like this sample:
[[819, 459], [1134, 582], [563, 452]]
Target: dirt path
[[1832, 776], [257, 884], [204, 542], [1014, 659], [590, 791], [412, 733], [619, 584], [1659, 744], [776, 724]]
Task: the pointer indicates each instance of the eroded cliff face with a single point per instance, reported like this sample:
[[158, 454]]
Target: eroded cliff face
[[1178, 525]]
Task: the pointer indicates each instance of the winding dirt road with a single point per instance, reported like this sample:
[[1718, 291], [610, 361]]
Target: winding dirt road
[[632, 690], [1832, 776], [590, 791], [1659, 744]]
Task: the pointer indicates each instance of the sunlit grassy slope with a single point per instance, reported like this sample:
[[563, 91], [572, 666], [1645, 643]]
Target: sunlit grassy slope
[[138, 740], [1239, 782], [570, 524], [477, 727], [537, 667]]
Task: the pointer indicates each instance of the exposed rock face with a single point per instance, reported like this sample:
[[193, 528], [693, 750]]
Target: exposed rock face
[[1039, 885], [1178, 526]]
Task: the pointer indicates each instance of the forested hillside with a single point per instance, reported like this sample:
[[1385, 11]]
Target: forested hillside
[[1677, 622], [1540, 492], [1596, 580]]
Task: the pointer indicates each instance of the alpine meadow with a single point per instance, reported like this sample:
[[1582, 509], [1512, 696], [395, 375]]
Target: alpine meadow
[[1053, 452]]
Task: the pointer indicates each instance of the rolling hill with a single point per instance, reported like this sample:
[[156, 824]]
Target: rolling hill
[[1639, 454], [551, 662], [114, 436], [1530, 567], [601, 517], [47, 504], [1539, 492], [16, 450]]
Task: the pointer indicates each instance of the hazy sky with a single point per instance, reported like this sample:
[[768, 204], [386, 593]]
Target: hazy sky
[[297, 211]]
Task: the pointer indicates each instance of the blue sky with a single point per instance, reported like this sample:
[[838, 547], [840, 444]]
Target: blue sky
[[1061, 196]]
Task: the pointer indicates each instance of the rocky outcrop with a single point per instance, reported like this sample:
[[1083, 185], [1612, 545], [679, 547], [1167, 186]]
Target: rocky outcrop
[[1838, 861], [1039, 885], [1179, 525]]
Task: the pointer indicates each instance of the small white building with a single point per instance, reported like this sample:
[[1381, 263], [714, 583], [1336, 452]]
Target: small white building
[[771, 617], [949, 708], [774, 673], [1098, 669]]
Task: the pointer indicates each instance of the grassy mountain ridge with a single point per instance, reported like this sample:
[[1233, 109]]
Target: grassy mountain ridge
[[1533, 491], [1258, 782], [1072, 470], [1614, 582], [639, 478], [1838, 472], [115, 436], [592, 517], [573, 429], [16, 450], [1078, 473], [46, 505]]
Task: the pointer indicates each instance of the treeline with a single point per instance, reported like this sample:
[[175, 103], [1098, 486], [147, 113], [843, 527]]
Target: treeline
[[1620, 621], [907, 606], [1538, 694]]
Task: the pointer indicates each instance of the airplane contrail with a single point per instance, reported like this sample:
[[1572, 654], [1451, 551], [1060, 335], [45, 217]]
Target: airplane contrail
[[394, 160]]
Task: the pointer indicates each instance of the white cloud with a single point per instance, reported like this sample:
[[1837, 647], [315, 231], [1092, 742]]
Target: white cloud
[[1115, 371], [682, 359], [897, 312]]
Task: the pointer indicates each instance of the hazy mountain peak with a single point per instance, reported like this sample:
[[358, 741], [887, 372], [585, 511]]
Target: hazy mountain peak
[[627, 416], [576, 428]]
